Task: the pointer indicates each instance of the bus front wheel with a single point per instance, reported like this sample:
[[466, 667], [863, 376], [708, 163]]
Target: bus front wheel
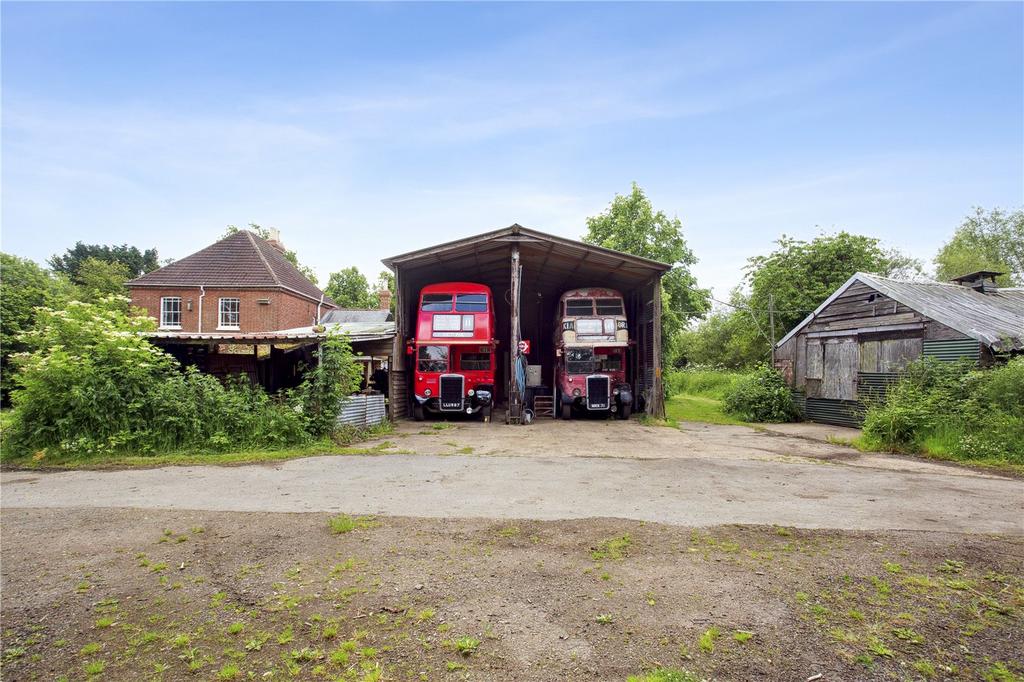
[[417, 412], [626, 411], [486, 412]]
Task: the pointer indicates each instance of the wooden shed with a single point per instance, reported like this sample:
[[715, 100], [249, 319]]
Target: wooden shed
[[527, 271], [859, 340]]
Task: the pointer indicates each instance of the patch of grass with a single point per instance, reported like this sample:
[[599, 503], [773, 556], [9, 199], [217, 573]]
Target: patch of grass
[[892, 567], [742, 635], [664, 675], [877, 647], [467, 645], [93, 668], [229, 672], [236, 627], [57, 461], [614, 548], [90, 648], [706, 642], [453, 666], [425, 614], [286, 635], [104, 622], [926, 668], [604, 619], [695, 408], [509, 531], [343, 523]]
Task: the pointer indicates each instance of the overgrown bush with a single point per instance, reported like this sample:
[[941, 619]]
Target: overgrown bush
[[761, 396], [90, 384], [953, 409], [325, 386]]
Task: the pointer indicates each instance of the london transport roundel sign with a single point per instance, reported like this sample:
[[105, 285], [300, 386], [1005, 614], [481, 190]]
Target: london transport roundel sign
[[524, 346]]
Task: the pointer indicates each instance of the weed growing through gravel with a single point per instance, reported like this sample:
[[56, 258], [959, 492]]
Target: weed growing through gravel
[[467, 645], [614, 548], [707, 640], [343, 523], [604, 619], [742, 635], [664, 675]]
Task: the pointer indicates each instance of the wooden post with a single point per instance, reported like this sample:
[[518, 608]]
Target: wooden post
[[771, 323], [514, 399], [396, 368], [657, 391]]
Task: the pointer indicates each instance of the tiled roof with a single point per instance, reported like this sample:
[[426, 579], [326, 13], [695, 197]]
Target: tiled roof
[[242, 260]]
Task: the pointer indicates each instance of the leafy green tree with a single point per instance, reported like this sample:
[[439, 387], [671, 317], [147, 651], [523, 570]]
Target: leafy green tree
[[631, 225], [987, 240], [799, 275], [97, 278], [349, 289], [264, 232], [136, 262], [728, 337], [24, 288]]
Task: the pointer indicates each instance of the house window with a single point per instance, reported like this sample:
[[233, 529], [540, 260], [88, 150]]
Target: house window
[[170, 312], [228, 313]]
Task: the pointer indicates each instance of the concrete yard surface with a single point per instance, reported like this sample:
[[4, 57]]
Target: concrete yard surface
[[700, 476]]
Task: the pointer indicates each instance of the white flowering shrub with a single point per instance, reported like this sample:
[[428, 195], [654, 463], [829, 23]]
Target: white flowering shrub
[[91, 384]]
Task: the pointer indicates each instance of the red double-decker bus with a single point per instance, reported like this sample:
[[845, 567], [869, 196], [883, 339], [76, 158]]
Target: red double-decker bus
[[591, 339], [454, 350]]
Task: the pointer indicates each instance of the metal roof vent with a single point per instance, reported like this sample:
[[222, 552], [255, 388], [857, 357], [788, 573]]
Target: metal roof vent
[[983, 281]]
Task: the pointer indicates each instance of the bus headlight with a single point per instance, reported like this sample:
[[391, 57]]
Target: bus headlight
[[576, 392], [426, 392], [470, 393], [615, 391]]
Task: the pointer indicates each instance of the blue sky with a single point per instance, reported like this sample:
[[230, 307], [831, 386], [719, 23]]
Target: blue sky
[[365, 130]]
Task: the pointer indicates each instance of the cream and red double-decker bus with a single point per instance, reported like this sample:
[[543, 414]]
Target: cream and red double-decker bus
[[454, 350], [591, 340]]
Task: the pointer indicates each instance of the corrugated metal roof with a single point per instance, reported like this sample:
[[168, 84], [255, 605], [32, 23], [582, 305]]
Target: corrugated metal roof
[[996, 319], [349, 315], [240, 260], [356, 331]]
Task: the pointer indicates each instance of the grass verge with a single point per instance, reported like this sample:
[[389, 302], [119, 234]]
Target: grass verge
[[344, 443], [697, 408]]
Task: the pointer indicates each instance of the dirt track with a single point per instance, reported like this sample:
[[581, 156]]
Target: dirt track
[[276, 595]]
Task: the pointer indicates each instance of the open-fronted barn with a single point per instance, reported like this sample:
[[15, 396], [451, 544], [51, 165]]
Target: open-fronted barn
[[527, 271], [865, 334]]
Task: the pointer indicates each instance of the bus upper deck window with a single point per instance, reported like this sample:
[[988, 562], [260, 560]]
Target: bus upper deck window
[[471, 303], [609, 306], [437, 303], [579, 306]]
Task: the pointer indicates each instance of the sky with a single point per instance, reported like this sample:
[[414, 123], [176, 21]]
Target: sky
[[366, 130]]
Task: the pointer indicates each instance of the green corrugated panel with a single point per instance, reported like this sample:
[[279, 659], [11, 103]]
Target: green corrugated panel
[[874, 385], [951, 351], [800, 400], [838, 412]]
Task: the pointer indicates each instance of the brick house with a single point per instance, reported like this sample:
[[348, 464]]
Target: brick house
[[242, 284]]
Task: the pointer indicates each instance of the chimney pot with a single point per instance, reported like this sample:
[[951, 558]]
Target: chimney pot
[[384, 299]]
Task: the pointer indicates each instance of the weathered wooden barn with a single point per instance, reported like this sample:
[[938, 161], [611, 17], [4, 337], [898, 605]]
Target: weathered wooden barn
[[527, 271], [865, 334]]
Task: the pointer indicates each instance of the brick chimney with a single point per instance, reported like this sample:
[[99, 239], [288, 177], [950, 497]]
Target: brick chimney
[[384, 299], [274, 238]]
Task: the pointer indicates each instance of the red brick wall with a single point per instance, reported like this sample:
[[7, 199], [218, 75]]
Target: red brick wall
[[285, 310]]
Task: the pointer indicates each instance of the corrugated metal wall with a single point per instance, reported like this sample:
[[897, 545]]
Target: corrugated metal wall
[[874, 385], [839, 412], [951, 351], [362, 410]]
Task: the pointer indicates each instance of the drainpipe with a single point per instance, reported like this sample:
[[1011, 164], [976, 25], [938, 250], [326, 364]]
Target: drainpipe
[[202, 293], [318, 305]]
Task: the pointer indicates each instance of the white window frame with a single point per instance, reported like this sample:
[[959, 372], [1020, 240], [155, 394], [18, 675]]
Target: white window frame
[[165, 313], [221, 325]]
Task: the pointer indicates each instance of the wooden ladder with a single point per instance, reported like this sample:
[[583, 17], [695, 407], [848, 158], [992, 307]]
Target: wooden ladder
[[544, 406]]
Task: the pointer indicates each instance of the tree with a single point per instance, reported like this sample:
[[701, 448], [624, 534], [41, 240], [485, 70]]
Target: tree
[[97, 278], [728, 337], [986, 240], [264, 233], [136, 262], [799, 275], [349, 289], [24, 288], [631, 225]]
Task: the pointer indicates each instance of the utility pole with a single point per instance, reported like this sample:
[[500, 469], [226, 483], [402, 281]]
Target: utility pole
[[771, 323]]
